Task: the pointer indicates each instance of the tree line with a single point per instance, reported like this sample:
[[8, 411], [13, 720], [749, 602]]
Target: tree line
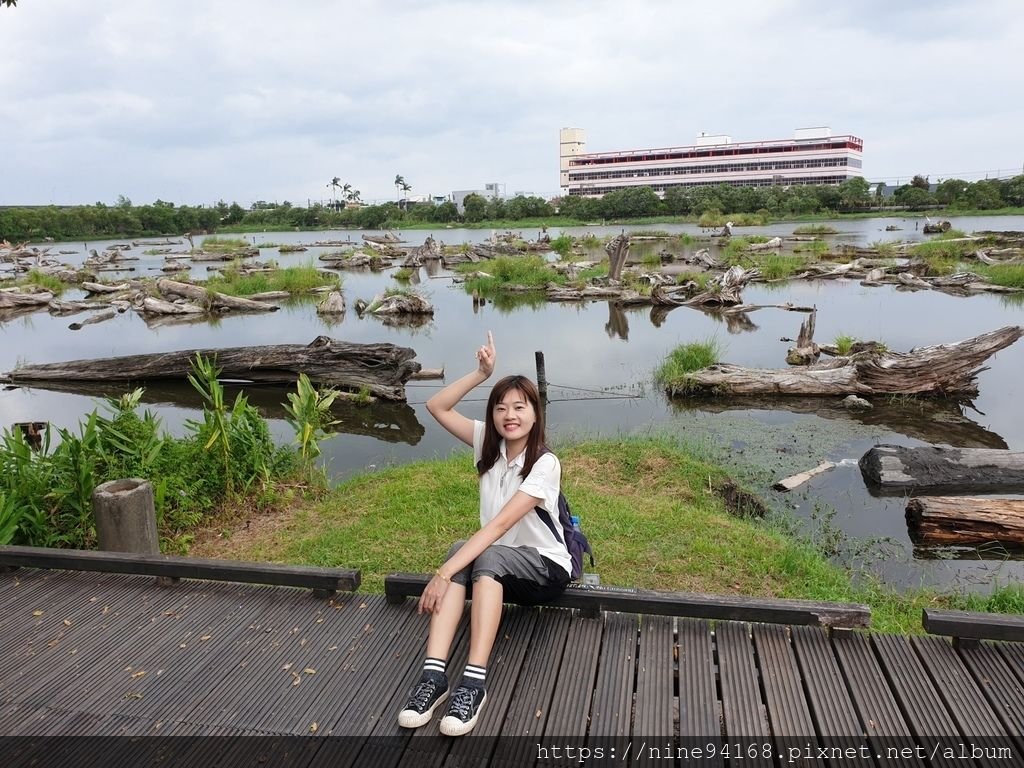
[[123, 219]]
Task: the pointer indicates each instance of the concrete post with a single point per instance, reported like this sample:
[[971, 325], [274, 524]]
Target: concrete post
[[126, 516]]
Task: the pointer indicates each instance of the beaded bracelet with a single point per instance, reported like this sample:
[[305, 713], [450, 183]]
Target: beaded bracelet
[[441, 576]]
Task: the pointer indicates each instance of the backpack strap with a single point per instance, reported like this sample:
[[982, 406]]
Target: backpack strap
[[545, 518]]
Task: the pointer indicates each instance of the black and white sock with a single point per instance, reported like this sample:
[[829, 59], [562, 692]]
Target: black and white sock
[[474, 676], [435, 668]]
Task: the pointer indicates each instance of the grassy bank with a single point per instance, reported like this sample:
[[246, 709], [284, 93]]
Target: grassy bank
[[650, 508]]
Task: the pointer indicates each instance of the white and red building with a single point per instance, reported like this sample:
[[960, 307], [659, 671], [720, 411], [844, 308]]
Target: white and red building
[[812, 156]]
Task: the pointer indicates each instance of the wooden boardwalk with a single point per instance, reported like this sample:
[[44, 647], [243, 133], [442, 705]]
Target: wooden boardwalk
[[85, 654]]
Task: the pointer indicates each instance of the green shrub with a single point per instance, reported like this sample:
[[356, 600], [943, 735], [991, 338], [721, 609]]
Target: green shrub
[[562, 245]]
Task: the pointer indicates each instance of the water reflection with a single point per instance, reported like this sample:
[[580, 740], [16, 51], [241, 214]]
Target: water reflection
[[390, 422], [617, 326], [931, 420]]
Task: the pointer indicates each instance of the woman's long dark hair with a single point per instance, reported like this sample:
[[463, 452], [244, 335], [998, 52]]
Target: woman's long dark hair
[[535, 443]]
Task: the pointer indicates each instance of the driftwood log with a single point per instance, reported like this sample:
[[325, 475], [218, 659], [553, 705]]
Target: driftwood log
[[58, 307], [213, 299], [104, 288], [795, 481], [946, 369], [12, 300], [962, 520], [152, 306], [899, 469], [383, 369]]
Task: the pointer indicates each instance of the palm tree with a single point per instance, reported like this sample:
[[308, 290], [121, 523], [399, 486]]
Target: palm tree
[[399, 181], [353, 196], [406, 187], [334, 186]]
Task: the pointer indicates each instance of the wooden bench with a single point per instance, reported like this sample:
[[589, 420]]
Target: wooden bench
[[592, 600], [969, 627], [323, 581]]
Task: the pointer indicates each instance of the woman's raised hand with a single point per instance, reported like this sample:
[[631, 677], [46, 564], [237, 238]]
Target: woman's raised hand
[[485, 356]]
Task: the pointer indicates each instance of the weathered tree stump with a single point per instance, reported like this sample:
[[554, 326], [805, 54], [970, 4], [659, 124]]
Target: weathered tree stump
[[900, 469], [618, 252], [125, 515], [334, 304], [806, 351], [961, 521]]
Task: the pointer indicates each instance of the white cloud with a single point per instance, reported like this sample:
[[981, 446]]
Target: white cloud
[[195, 101]]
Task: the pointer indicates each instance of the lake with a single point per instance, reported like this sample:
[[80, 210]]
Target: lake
[[599, 362]]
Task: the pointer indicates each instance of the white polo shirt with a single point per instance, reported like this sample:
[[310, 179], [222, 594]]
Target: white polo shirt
[[500, 483]]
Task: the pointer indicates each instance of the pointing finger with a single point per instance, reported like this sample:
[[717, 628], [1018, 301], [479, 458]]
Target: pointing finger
[[490, 339]]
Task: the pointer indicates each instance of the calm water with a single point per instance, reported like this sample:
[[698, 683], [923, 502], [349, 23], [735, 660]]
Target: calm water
[[599, 364]]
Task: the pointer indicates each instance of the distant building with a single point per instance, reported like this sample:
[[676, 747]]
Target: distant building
[[490, 192], [812, 156]]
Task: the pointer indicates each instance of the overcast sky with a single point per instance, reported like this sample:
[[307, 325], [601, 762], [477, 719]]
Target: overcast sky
[[193, 101]]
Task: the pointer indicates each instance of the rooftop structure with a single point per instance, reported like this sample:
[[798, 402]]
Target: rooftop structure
[[812, 156]]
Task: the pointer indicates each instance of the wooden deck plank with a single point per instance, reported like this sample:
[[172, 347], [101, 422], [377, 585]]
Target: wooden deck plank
[[506, 668], [54, 674], [655, 679], [828, 699], [205, 612], [910, 683], [386, 742], [699, 708], [1013, 655], [329, 650], [223, 614], [136, 667], [345, 626], [215, 661], [1003, 690], [612, 706], [259, 677], [426, 748], [742, 709], [575, 681], [789, 717], [876, 706], [975, 720], [39, 615], [531, 702], [592, 680], [366, 653]]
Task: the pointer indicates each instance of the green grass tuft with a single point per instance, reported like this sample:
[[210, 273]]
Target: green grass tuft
[[844, 344], [776, 266], [214, 243], [673, 373], [1008, 275], [295, 280], [527, 271], [50, 283], [815, 229]]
